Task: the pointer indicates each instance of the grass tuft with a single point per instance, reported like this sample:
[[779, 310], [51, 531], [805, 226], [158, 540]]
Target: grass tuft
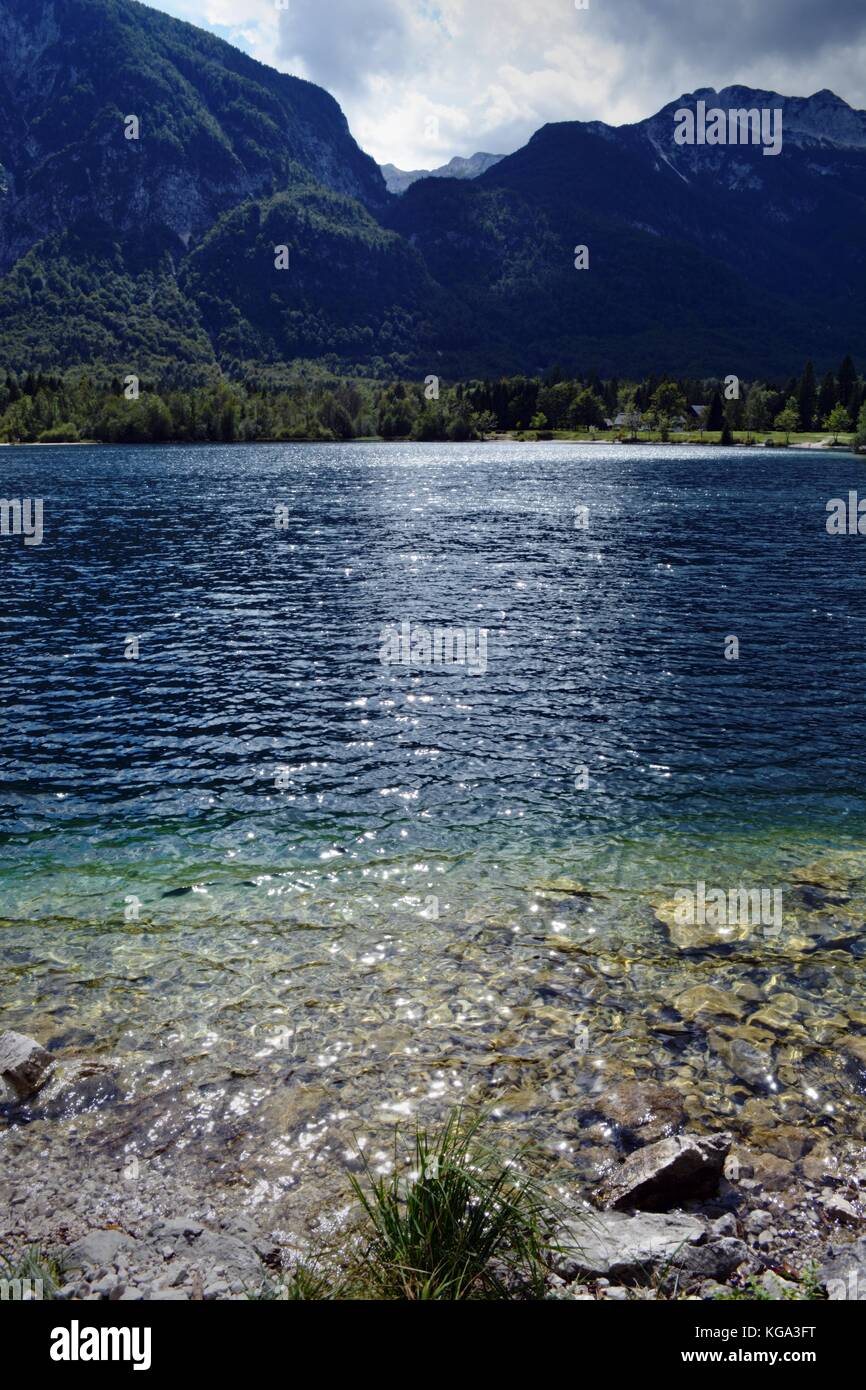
[[42, 1270], [464, 1225]]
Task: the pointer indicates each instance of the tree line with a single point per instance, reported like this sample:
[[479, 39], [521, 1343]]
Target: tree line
[[39, 408]]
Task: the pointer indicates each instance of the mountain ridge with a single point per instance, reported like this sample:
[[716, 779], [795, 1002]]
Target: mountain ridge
[[158, 254], [398, 180]]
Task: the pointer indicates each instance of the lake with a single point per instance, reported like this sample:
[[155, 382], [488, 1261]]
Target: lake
[[304, 882]]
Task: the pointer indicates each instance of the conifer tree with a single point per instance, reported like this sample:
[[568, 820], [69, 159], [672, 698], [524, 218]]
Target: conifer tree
[[807, 397]]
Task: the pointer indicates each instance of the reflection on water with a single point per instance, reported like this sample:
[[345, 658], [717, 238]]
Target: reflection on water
[[302, 894]]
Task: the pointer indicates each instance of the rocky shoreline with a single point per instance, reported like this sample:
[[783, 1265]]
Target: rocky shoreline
[[679, 1215]]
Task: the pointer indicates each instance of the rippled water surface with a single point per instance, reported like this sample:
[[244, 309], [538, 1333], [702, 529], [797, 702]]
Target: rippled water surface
[[300, 894]]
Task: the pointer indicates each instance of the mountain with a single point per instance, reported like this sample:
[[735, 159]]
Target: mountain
[[702, 258], [94, 227], [216, 126], [245, 229], [398, 180], [354, 291]]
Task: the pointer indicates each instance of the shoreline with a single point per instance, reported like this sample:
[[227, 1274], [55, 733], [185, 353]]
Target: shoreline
[[852, 449], [129, 1231]]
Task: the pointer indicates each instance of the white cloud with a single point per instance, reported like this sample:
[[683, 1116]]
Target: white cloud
[[422, 80]]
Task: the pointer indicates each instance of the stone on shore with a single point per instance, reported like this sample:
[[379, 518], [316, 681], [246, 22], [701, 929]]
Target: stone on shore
[[620, 1246], [843, 1273], [24, 1064], [667, 1173], [168, 1260], [100, 1249]]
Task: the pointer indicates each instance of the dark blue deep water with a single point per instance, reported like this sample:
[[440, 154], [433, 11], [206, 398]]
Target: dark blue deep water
[[160, 876]]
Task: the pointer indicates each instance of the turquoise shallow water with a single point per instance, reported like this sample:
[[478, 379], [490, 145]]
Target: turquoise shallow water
[[284, 881]]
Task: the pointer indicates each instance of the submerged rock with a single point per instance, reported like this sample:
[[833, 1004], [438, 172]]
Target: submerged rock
[[642, 1112], [778, 1022], [769, 1172], [831, 877], [834, 936], [563, 888], [696, 935], [76, 1088], [823, 1164], [748, 1063], [24, 1064], [790, 1142], [708, 1000], [671, 1171]]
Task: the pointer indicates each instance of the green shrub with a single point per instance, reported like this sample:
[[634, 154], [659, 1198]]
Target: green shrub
[[59, 434], [464, 1225]]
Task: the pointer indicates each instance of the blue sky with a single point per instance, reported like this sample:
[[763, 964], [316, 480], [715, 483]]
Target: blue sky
[[421, 80]]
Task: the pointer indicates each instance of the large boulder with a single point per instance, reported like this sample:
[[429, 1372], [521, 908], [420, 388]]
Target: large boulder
[[24, 1064], [666, 1174], [618, 1246]]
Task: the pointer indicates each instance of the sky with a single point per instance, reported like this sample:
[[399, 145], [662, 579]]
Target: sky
[[422, 80]]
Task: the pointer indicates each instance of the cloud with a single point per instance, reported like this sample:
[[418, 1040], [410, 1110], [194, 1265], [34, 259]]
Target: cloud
[[795, 47], [345, 45], [774, 29], [422, 80]]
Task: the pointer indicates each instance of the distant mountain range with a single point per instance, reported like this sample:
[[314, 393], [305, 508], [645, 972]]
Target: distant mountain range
[[398, 180], [160, 254]]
